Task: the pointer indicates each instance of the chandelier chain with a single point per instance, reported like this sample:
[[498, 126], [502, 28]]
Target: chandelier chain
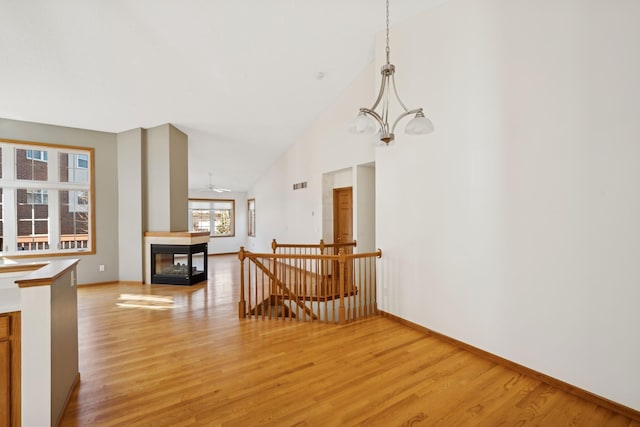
[[387, 49]]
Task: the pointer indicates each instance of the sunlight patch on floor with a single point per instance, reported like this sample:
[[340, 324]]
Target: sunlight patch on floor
[[151, 302]]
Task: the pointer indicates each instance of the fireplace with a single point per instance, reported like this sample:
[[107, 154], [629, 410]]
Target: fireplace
[[178, 264]]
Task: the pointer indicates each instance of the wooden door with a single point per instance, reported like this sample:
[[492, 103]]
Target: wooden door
[[5, 372], [342, 215], [343, 229]]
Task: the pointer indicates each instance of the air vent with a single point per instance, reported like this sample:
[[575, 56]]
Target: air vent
[[300, 185]]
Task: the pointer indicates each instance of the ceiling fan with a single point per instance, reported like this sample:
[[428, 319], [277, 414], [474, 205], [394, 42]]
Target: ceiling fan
[[215, 188]]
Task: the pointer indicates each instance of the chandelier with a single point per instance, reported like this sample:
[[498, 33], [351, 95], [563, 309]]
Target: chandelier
[[363, 123]]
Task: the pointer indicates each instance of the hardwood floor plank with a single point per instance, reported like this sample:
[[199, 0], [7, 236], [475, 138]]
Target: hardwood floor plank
[[186, 360]]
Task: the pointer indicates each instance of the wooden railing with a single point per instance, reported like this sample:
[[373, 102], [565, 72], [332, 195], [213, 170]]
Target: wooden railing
[[305, 283], [41, 242], [321, 248]]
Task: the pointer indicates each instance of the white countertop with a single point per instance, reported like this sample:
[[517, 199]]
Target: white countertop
[[10, 299], [10, 294]]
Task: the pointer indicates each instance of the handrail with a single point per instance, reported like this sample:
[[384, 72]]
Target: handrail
[[326, 287], [248, 254], [322, 245]]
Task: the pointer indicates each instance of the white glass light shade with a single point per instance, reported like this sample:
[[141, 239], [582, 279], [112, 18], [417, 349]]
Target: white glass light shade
[[362, 124], [419, 125]]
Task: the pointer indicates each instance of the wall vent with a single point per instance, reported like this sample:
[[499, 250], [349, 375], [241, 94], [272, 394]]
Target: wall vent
[[300, 185]]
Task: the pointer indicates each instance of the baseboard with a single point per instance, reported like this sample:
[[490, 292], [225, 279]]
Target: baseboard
[[224, 253], [554, 382], [74, 386], [111, 282]]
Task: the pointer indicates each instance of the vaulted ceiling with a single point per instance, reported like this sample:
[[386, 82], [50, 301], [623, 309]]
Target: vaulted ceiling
[[242, 78]]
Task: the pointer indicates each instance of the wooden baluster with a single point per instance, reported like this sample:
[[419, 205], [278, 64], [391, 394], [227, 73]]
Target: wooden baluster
[[255, 287], [242, 307], [360, 285], [341, 269], [375, 284], [273, 288], [288, 283], [370, 290], [325, 287], [305, 282]]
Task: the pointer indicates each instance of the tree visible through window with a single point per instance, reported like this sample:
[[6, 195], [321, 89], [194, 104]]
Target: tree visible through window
[[223, 222]]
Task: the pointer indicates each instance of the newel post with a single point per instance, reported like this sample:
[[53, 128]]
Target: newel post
[[341, 261], [321, 246], [274, 245], [242, 305]]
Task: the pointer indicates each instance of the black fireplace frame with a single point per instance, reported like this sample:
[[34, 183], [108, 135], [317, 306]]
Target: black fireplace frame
[[184, 250]]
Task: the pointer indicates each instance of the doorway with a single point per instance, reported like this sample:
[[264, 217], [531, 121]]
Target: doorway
[[343, 215], [343, 230]]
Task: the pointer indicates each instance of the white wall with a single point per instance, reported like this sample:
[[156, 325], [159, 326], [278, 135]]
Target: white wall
[[519, 231], [364, 209], [296, 216]]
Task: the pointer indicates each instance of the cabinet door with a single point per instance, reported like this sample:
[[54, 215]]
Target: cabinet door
[[5, 383]]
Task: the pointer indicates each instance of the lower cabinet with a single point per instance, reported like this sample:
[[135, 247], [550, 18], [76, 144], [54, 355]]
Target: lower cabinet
[[9, 369]]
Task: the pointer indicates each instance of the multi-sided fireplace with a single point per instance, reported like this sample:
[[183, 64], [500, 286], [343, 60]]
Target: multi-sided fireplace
[[178, 264]]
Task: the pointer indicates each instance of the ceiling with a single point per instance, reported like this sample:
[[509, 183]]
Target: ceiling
[[243, 78]]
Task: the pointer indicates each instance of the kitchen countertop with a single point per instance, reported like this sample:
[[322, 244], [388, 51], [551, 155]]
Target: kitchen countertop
[[10, 294], [17, 275], [10, 299]]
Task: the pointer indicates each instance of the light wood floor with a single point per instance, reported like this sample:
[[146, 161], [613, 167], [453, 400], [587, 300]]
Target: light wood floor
[[196, 363]]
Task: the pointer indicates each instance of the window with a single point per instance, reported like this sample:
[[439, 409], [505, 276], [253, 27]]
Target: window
[[31, 165], [223, 222], [32, 218], [200, 220], [82, 161], [45, 199], [251, 217], [213, 215], [39, 155], [37, 197], [74, 219], [73, 167]]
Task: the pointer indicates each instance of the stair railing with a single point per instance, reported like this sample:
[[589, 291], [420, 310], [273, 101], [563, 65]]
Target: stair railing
[[302, 285]]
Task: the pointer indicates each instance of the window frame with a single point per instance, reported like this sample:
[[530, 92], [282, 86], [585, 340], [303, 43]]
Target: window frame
[[201, 205], [251, 217], [54, 186]]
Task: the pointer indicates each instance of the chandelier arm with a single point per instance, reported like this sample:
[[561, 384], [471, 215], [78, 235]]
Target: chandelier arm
[[375, 116], [403, 115], [395, 91], [383, 85]]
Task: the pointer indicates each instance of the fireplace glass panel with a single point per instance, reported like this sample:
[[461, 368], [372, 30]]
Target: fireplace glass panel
[[179, 264]]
